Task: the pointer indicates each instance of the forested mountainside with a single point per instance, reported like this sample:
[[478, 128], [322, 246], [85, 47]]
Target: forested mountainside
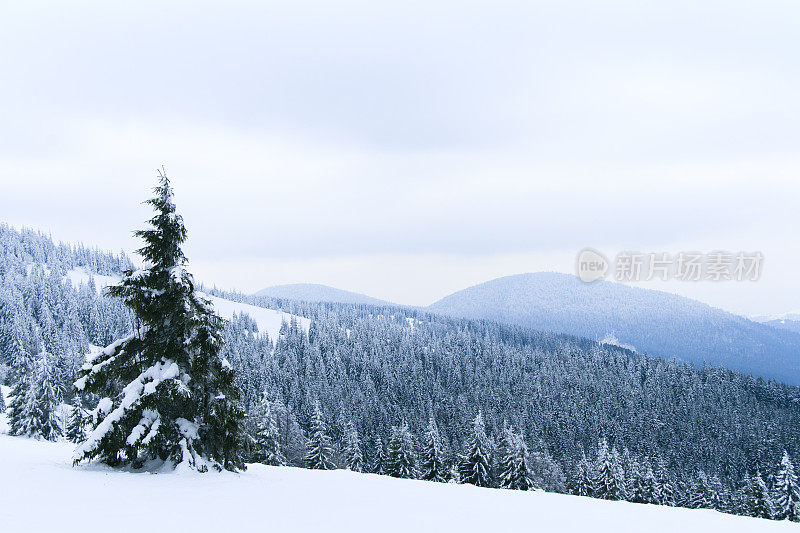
[[380, 374], [654, 322]]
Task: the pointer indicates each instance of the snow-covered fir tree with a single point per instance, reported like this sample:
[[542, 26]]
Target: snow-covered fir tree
[[45, 398], [76, 424], [514, 473], [582, 481], [757, 499], [609, 483], [20, 402], [379, 457], [266, 441], [787, 491], [166, 392], [647, 490], [700, 496], [351, 451], [36, 397], [400, 456], [431, 456], [319, 452], [475, 467]]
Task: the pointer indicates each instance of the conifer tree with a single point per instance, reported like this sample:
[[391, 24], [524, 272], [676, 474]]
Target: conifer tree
[[757, 500], [433, 467], [319, 452], [76, 425], [701, 496], [45, 398], [379, 462], [648, 490], [582, 483], [20, 401], [514, 473], [166, 392], [2, 403], [475, 466], [400, 456], [267, 449], [787, 492], [610, 481], [353, 458]]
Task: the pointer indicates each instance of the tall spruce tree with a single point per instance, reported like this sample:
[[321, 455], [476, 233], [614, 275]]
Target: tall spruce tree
[[433, 467], [45, 399], [582, 482], [400, 456], [351, 451], [787, 492], [20, 396], [514, 472], [379, 457], [475, 467], [757, 500], [267, 449], [166, 392], [319, 453], [610, 481]]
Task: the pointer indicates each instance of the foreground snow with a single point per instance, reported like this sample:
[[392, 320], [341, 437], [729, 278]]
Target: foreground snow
[[42, 492]]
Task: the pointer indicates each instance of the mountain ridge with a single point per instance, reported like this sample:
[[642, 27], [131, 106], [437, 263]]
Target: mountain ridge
[[315, 292], [656, 322]]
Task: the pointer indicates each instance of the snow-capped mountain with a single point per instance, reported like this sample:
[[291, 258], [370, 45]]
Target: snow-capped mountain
[[655, 322], [313, 292]]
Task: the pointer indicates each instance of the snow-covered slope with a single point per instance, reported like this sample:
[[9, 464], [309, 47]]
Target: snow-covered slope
[[312, 292], [269, 321], [655, 322], [79, 276], [42, 492]]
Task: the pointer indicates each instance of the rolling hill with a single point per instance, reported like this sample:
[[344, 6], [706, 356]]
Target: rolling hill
[[654, 322], [313, 292]]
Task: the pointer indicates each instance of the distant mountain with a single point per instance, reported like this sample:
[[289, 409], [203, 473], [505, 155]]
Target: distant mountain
[[789, 321], [655, 322], [783, 323], [312, 292]]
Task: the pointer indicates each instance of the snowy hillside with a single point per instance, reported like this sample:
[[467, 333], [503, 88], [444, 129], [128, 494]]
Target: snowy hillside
[[655, 322], [269, 321], [312, 292], [50, 495]]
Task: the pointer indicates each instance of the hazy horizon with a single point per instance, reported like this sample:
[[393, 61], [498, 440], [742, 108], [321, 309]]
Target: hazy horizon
[[406, 152]]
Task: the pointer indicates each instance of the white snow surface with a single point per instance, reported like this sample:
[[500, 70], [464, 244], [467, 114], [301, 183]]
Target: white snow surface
[[269, 321], [80, 276], [48, 494]]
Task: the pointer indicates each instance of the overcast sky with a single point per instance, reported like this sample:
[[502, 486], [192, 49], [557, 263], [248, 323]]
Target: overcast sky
[[410, 149]]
